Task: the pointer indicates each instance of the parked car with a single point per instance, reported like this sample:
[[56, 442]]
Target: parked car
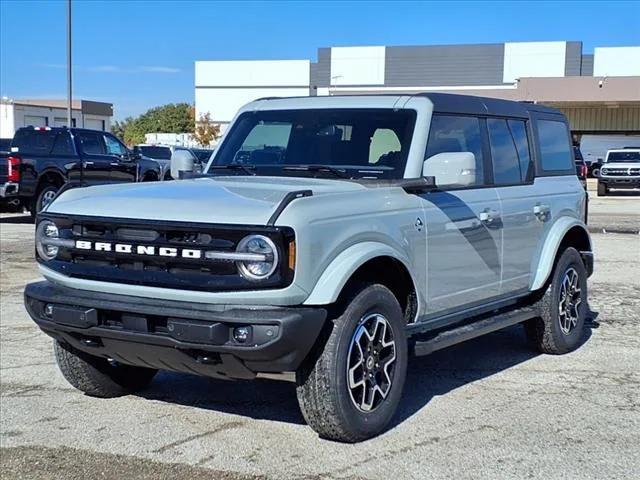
[[339, 234], [202, 154], [43, 159], [582, 170], [163, 153], [621, 169]]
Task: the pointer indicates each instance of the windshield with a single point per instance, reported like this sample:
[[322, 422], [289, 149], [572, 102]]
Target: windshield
[[346, 143], [629, 156], [159, 153]]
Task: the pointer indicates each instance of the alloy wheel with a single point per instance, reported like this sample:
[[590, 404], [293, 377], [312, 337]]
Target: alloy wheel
[[570, 300], [370, 362]]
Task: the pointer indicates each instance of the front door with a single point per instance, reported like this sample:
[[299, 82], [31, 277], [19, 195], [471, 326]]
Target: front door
[[96, 164], [123, 169], [463, 218]]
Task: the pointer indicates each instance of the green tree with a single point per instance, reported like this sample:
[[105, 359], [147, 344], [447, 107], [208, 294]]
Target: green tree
[[170, 118], [206, 131]]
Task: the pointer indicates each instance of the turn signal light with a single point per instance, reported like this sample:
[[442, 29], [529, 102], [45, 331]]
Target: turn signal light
[[292, 255]]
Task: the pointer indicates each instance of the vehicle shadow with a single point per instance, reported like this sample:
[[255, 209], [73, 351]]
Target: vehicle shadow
[[427, 377], [16, 219]]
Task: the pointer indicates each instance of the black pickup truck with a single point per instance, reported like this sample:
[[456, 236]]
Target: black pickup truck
[[41, 160]]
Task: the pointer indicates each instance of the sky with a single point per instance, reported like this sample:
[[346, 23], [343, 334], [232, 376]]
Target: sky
[[140, 54]]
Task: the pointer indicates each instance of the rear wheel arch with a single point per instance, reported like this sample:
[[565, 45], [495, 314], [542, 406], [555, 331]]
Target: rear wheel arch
[[564, 234], [50, 177]]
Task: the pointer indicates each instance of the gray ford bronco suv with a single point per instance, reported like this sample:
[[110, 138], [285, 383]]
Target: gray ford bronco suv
[[331, 237]]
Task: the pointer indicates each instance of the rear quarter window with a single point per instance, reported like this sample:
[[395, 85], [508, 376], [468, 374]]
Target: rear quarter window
[[555, 149], [34, 142]]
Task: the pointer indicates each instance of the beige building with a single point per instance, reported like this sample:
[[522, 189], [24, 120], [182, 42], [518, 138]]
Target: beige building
[[17, 113]]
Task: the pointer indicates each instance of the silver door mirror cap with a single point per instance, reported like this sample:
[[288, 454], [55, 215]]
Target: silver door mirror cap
[[451, 169]]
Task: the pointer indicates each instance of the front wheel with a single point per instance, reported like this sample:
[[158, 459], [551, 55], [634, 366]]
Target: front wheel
[[98, 377], [351, 390], [563, 307]]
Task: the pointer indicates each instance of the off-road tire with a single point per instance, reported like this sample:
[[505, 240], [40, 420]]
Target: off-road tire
[[602, 189], [96, 376], [322, 384], [545, 333]]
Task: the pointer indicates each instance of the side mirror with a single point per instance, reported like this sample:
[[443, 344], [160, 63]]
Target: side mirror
[[451, 169], [181, 161]]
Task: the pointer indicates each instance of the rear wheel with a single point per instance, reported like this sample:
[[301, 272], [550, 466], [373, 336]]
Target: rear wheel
[[44, 198], [351, 390], [563, 307], [602, 189], [97, 377]]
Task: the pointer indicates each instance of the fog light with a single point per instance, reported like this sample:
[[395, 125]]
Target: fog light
[[48, 310], [241, 334]]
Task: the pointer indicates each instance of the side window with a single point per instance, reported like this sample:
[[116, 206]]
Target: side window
[[519, 131], [114, 147], [383, 143], [506, 168], [555, 148], [62, 145], [91, 143], [453, 134]]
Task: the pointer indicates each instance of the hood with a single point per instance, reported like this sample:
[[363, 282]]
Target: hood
[[227, 200]]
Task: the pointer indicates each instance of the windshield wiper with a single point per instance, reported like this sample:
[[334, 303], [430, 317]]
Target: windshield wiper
[[248, 169], [317, 168]]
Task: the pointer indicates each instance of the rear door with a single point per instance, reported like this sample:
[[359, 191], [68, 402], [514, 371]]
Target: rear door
[[96, 163], [513, 174], [464, 229]]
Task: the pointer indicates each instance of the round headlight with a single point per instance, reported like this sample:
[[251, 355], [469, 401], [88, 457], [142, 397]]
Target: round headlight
[[46, 230], [267, 261]]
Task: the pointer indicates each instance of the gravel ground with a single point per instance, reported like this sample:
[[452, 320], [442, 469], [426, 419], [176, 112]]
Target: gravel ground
[[489, 408]]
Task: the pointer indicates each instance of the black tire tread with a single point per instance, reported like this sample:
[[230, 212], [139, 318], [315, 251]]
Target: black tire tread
[[96, 377]]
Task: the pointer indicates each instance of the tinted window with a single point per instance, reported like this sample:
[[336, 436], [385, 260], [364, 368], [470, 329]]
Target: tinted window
[[555, 149], [160, 153], [371, 143], [34, 142], [506, 168], [623, 157], [457, 134], [91, 143], [114, 147], [62, 145], [519, 132]]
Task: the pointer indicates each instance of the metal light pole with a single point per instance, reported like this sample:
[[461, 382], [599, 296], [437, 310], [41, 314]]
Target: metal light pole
[[69, 109]]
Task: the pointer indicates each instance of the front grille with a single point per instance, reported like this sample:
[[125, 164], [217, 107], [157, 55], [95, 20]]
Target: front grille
[[178, 271], [621, 172]]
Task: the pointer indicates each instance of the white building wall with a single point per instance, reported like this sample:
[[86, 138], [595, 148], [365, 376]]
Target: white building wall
[[534, 59], [357, 65], [7, 123], [222, 87], [616, 61]]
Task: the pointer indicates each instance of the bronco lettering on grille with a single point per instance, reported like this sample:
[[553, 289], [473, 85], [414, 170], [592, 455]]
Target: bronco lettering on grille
[[138, 249]]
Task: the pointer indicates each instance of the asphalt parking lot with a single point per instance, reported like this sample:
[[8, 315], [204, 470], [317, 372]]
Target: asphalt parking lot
[[490, 408]]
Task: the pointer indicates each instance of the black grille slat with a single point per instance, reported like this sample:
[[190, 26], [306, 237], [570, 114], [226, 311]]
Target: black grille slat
[[163, 271]]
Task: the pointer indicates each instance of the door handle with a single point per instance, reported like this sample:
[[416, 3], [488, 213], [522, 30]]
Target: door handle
[[541, 211], [87, 163], [114, 164], [489, 215]]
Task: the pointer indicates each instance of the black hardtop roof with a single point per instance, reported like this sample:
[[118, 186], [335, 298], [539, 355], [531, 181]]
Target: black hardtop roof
[[60, 129], [463, 104], [472, 105]]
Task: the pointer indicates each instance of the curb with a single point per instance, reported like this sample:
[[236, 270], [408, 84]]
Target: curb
[[621, 230]]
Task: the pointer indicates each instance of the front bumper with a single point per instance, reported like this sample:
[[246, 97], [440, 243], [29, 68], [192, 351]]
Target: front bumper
[[620, 182], [8, 189], [179, 336]]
